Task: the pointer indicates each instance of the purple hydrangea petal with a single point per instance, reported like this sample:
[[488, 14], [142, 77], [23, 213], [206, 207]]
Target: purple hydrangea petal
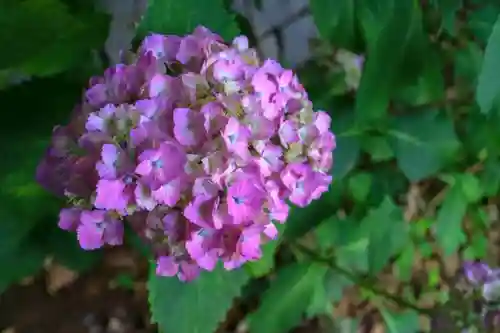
[[69, 219]]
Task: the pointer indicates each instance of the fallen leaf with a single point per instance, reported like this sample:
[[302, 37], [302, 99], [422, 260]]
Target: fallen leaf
[[59, 277]]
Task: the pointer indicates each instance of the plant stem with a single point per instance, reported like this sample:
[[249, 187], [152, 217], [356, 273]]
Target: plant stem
[[369, 285]]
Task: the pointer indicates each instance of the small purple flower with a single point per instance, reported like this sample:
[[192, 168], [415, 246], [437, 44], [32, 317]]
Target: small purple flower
[[236, 137], [97, 228], [98, 121], [477, 273], [201, 211], [162, 165], [169, 193], [69, 218], [97, 95], [270, 159], [289, 132], [202, 251], [242, 246], [107, 167], [113, 195], [304, 183], [189, 126], [246, 198], [214, 118], [163, 48], [144, 198], [169, 266]]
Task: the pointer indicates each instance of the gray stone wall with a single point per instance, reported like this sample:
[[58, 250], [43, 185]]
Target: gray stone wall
[[285, 22]]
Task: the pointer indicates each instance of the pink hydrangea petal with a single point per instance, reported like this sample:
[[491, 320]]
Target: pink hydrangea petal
[[170, 193], [111, 195], [91, 230], [188, 271], [166, 266], [69, 219], [189, 126]]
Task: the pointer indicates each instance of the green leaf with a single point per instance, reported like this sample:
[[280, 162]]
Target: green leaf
[[482, 135], [302, 220], [25, 261], [488, 88], [448, 230], [348, 147], [388, 233], [182, 17], [197, 306], [320, 303], [386, 51], [265, 264], [428, 87], [468, 62], [433, 276], [359, 186], [405, 261], [424, 143], [478, 247], [482, 20], [335, 232], [378, 147], [354, 256], [287, 298], [490, 177], [348, 240], [335, 284], [23, 203], [336, 21], [471, 187], [388, 180], [402, 322], [448, 9], [45, 38]]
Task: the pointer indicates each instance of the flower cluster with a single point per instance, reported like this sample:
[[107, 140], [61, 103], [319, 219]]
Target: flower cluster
[[198, 145], [481, 276]]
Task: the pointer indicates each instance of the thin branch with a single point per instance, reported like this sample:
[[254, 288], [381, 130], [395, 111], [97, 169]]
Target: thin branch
[[369, 285]]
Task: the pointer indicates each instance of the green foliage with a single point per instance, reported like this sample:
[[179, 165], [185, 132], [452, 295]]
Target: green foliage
[[348, 142], [387, 234], [42, 37], [487, 88], [336, 21], [388, 38], [25, 261], [181, 17], [49, 39], [423, 143], [195, 307], [287, 298]]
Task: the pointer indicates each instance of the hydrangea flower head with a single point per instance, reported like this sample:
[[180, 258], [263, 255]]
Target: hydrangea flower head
[[201, 163]]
